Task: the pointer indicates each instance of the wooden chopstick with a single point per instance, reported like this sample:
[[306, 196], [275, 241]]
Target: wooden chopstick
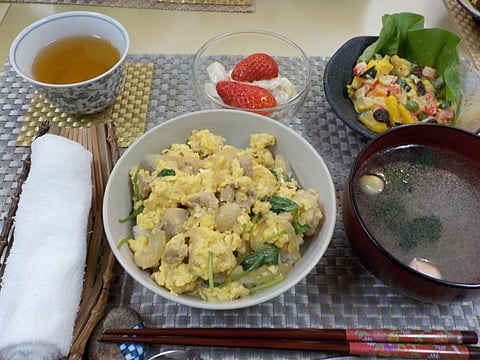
[[402, 350], [364, 335]]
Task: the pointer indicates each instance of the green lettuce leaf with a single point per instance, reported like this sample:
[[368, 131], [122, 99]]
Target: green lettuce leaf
[[403, 34], [393, 35], [437, 48]]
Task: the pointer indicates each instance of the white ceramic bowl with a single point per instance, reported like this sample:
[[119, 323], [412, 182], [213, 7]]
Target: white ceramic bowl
[[236, 127], [84, 97], [229, 48]]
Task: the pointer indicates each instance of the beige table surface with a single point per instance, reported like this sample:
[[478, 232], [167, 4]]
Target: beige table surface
[[318, 26]]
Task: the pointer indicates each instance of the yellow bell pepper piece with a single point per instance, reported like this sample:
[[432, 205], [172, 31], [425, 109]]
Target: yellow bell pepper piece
[[367, 119], [383, 66], [401, 66], [357, 82], [428, 85], [407, 118], [372, 63], [391, 103]]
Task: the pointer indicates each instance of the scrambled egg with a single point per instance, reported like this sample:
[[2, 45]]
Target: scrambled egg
[[219, 222]]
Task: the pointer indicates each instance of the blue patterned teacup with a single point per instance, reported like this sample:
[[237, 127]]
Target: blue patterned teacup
[[85, 97]]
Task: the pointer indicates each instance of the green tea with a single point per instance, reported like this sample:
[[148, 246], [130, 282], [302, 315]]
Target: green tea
[[74, 59]]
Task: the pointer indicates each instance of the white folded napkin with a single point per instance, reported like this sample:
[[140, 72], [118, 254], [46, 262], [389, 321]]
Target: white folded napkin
[[42, 284]]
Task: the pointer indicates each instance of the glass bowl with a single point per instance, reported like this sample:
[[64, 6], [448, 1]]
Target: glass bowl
[[229, 48]]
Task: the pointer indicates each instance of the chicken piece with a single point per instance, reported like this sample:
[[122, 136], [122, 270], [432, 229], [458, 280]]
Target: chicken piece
[[202, 198], [310, 213], [248, 200], [186, 163], [148, 250], [227, 193], [247, 165], [176, 250], [141, 182], [259, 151], [172, 221], [227, 216]]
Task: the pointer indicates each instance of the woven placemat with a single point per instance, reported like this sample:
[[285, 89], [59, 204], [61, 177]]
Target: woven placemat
[[469, 31], [188, 5], [338, 293], [129, 111]]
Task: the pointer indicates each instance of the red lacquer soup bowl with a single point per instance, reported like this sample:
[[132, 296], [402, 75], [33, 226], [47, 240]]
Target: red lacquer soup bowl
[[411, 214]]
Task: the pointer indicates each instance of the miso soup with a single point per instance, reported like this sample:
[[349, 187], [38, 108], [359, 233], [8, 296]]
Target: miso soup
[[422, 204]]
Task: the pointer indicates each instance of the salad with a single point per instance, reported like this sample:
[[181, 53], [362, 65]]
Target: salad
[[389, 91], [408, 75]]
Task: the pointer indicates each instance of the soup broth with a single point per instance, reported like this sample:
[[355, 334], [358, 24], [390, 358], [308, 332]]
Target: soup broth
[[74, 59], [427, 208]]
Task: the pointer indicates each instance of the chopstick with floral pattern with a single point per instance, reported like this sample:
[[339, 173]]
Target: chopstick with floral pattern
[[436, 344], [356, 335]]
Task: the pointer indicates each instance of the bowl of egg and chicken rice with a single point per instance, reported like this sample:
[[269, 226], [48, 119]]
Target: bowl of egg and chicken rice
[[219, 209]]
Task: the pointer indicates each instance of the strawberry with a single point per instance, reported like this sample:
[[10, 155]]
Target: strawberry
[[245, 96], [257, 66]]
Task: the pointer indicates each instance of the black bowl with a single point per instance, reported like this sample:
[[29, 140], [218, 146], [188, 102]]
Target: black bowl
[[338, 74], [474, 13]]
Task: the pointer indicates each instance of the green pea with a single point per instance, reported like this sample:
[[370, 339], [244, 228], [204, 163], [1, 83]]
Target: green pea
[[421, 116], [411, 105]]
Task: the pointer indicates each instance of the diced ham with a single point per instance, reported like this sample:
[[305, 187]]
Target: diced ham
[[429, 73], [394, 89], [359, 68], [445, 116], [431, 109]]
